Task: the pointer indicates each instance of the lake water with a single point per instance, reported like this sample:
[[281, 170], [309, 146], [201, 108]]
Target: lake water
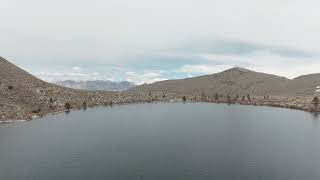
[[164, 142]]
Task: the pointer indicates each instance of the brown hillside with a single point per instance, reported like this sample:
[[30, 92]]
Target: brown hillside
[[230, 82]]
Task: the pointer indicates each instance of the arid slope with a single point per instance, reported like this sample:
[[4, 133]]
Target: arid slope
[[230, 82]]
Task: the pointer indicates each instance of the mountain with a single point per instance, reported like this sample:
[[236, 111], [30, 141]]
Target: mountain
[[97, 85], [302, 86], [230, 82], [22, 95]]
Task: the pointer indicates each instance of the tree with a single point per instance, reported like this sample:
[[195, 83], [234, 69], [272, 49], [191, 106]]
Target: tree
[[184, 99], [243, 98], [216, 97], [229, 99], [51, 103], [203, 96], [315, 102], [84, 105], [67, 106], [248, 97]]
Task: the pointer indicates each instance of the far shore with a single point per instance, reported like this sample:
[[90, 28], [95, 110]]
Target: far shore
[[296, 103]]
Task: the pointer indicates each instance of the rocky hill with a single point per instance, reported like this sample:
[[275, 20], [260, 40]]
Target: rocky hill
[[302, 86], [237, 81], [97, 85], [23, 95], [230, 82]]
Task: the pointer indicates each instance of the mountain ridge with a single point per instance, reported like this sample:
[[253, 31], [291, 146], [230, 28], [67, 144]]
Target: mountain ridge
[[23, 95], [240, 81], [97, 85]]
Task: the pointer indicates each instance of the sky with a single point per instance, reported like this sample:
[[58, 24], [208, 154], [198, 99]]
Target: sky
[[144, 41]]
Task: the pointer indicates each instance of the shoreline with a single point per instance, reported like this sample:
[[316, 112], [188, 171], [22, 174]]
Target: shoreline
[[275, 103]]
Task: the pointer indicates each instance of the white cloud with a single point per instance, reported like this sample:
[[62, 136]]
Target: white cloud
[[147, 77], [76, 68], [265, 61], [117, 32], [106, 30], [202, 69]]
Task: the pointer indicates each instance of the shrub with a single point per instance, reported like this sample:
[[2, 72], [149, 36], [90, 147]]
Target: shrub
[[184, 98], [36, 111], [84, 105], [229, 99], [237, 97], [216, 96], [10, 87], [248, 97], [67, 106]]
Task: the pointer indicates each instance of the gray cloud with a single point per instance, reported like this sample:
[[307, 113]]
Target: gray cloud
[[142, 36], [238, 47]]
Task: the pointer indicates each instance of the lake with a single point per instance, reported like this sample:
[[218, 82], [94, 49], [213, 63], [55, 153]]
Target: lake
[[165, 141]]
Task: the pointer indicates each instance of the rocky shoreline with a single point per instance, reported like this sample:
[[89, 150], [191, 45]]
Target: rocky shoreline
[[297, 103]]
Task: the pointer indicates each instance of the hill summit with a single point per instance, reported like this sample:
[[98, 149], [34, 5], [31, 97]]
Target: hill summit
[[237, 81]]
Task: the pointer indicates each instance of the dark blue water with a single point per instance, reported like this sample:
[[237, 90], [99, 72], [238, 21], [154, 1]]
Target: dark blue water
[[164, 142]]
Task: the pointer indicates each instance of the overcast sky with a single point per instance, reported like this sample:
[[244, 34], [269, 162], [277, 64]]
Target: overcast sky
[[146, 40]]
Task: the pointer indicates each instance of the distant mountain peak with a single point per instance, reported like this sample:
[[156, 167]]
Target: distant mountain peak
[[97, 85]]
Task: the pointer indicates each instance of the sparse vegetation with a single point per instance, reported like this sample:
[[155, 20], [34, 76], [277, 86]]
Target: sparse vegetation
[[36, 111]]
